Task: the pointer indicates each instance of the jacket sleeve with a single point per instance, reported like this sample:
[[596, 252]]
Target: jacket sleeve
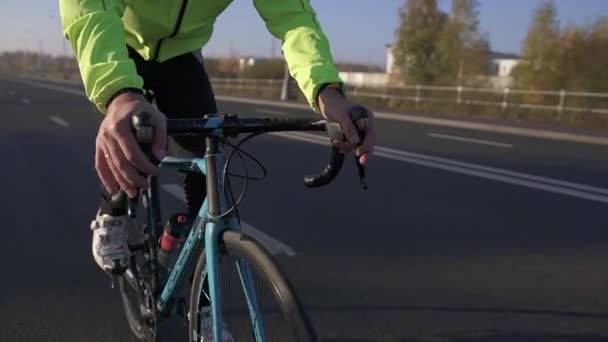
[[305, 46], [96, 34]]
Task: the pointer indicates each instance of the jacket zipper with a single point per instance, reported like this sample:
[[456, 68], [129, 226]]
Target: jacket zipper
[[182, 11]]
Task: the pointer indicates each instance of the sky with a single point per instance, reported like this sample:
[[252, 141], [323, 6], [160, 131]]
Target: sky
[[357, 29]]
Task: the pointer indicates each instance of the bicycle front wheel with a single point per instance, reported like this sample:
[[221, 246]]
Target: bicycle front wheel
[[283, 317]]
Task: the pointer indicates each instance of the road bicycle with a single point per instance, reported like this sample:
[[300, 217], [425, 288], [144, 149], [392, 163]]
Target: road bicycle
[[216, 253]]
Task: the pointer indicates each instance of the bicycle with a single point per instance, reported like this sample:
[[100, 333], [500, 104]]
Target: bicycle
[[214, 235]]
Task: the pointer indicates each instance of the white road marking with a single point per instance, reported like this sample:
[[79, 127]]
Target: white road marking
[[55, 87], [59, 121], [494, 128], [269, 111], [462, 124], [577, 190], [470, 140], [531, 181], [273, 245]]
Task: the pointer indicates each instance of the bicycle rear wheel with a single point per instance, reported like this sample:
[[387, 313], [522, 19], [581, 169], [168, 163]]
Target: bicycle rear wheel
[[283, 317]]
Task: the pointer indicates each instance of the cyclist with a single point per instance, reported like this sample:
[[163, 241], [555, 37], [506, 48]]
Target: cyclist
[[127, 47]]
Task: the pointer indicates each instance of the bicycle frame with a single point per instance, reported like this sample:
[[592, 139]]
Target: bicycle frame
[[208, 228]]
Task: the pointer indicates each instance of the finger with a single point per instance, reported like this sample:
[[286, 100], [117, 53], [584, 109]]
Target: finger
[[103, 171], [132, 153], [368, 142], [124, 167], [363, 124], [124, 185], [365, 158], [159, 144], [343, 146], [350, 131]]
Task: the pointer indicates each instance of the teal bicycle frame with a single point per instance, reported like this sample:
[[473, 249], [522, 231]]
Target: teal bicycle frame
[[208, 227], [213, 218]]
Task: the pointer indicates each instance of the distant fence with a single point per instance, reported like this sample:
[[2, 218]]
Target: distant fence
[[502, 99]]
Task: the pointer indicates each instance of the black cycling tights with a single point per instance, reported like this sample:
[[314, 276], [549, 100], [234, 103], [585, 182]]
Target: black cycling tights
[[181, 89]]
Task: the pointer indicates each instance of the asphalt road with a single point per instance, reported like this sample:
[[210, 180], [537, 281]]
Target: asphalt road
[[462, 236]]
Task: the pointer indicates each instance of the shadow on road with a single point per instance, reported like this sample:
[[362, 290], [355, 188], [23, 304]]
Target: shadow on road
[[488, 336], [490, 310], [346, 340], [506, 335], [496, 336]]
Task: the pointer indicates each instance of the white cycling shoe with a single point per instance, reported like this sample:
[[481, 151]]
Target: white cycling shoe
[[110, 247], [207, 329]]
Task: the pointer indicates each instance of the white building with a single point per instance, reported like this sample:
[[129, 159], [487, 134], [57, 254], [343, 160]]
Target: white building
[[390, 59], [249, 61], [500, 74], [502, 69], [365, 79], [503, 63]]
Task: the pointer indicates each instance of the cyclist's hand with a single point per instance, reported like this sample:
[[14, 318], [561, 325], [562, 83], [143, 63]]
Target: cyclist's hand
[[118, 159], [335, 107]]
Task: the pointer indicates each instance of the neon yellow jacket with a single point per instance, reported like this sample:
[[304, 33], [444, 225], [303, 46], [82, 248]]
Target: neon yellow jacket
[[99, 31]]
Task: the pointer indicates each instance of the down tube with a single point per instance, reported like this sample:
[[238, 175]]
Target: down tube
[[181, 265]]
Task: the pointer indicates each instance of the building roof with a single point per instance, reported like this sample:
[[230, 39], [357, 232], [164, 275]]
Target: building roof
[[501, 55]]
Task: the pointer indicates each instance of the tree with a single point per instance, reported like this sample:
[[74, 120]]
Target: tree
[[227, 67], [463, 50], [540, 51], [274, 69], [573, 57], [582, 60], [598, 54], [415, 50]]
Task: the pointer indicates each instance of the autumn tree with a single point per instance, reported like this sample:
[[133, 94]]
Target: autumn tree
[[541, 51], [463, 49], [415, 50]]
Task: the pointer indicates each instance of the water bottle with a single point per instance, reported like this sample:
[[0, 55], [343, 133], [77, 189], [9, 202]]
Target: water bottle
[[173, 237]]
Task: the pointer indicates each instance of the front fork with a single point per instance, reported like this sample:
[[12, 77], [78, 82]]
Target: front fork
[[217, 206]]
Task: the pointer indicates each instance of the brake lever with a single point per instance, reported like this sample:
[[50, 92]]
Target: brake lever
[[361, 171], [335, 133], [132, 207], [143, 128], [358, 113]]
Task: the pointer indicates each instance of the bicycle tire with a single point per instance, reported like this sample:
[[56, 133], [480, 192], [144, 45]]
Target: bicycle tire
[[239, 245]]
